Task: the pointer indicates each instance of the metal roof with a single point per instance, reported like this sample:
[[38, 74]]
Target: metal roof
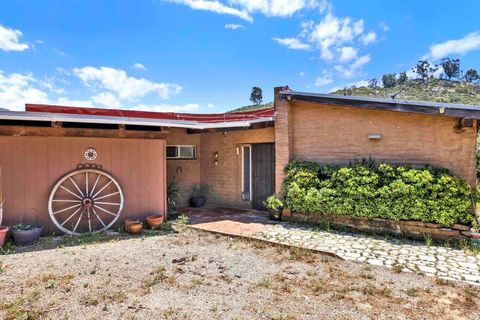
[[87, 118], [423, 107]]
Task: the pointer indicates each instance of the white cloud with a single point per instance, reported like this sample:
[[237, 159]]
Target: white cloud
[[347, 54], [139, 66], [106, 99], [353, 68], [292, 43], [233, 26], [126, 87], [17, 89], [215, 6], [302, 74], [323, 80], [9, 40], [189, 107], [244, 9], [275, 8], [460, 46], [384, 26], [369, 37]]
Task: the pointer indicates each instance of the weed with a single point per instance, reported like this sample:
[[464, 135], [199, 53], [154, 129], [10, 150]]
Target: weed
[[412, 292], [158, 275], [2, 267], [8, 248], [51, 284], [464, 245], [470, 297], [183, 219], [428, 240], [197, 281], [302, 254], [265, 283]]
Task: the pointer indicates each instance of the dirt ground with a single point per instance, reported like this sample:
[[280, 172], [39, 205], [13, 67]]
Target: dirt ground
[[197, 275]]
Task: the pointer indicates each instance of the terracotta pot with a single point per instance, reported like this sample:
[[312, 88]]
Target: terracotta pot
[[128, 222], [135, 228], [3, 235], [154, 221], [27, 236]]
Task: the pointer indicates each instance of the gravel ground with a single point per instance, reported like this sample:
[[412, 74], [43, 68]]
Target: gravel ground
[[197, 275]]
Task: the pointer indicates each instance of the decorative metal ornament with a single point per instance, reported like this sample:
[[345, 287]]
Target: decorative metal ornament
[[90, 154], [85, 200]]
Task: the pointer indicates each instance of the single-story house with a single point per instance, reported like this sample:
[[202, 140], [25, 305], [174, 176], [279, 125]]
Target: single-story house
[[75, 169]]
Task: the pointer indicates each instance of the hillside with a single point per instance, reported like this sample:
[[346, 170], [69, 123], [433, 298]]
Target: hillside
[[435, 90], [253, 107]]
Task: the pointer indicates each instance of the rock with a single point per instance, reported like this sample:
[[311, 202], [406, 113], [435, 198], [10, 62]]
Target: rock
[[460, 227]]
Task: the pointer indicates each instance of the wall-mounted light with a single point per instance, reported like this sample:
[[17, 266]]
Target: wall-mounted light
[[215, 155], [375, 136], [238, 151], [215, 163]]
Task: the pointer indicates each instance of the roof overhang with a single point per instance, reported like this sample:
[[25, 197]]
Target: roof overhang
[[421, 107], [134, 121]]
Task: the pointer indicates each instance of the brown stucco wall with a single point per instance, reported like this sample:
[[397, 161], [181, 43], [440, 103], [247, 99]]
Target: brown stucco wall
[[32, 165], [225, 178], [186, 172], [333, 134]]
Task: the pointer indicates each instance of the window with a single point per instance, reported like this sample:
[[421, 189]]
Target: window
[[246, 173], [181, 152]]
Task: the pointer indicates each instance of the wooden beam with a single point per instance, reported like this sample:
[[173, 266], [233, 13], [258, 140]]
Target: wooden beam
[[78, 132]]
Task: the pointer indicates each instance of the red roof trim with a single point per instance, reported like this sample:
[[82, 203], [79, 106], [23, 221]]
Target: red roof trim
[[202, 118]]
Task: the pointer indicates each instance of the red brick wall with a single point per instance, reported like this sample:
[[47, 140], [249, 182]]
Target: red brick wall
[[332, 134]]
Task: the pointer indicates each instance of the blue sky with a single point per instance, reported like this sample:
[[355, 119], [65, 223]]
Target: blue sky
[[205, 55]]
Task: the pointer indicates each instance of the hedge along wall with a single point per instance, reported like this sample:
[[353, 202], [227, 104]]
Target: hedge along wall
[[366, 190]]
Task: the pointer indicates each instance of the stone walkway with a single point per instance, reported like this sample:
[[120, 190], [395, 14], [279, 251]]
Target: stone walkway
[[408, 256]]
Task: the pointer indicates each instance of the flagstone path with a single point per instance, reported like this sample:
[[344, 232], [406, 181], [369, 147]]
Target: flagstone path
[[408, 256]]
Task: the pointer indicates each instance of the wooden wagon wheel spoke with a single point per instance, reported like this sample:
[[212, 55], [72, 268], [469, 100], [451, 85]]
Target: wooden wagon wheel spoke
[[89, 214], [71, 216], [72, 193], [109, 203], [103, 188], [98, 217], [95, 184], [76, 186], [66, 209], [105, 210], [106, 196]]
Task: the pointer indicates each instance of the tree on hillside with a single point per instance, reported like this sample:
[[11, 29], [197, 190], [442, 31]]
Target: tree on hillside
[[424, 69], [256, 96], [373, 83], [451, 68], [402, 78], [389, 80], [471, 76]]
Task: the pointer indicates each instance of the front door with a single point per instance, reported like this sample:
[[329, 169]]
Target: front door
[[263, 173]]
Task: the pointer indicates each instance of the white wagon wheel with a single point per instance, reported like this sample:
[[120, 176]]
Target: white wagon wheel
[[85, 200]]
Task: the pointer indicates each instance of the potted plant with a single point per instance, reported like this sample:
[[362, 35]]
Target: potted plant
[[200, 193], [135, 228], [26, 233], [154, 221], [3, 230], [173, 194], [275, 207]]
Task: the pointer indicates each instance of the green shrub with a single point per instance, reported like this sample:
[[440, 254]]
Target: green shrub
[[383, 191]]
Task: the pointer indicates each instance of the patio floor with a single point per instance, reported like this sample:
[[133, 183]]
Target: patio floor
[[228, 221], [402, 254]]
